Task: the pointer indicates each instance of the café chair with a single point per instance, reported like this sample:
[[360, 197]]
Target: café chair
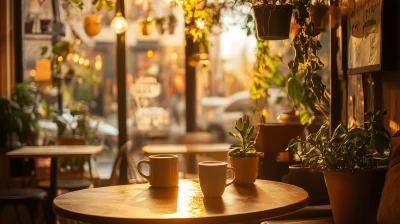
[[30, 198], [125, 168], [70, 184]]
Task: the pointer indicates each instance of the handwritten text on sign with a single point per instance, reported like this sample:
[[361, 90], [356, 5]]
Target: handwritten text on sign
[[365, 18]]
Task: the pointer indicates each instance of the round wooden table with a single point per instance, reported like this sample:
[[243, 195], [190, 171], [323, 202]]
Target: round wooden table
[[139, 203]]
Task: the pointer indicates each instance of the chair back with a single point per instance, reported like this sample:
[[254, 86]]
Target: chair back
[[124, 169], [389, 207]]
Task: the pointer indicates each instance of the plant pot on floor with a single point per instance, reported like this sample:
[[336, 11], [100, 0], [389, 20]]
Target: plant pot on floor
[[312, 182], [272, 21], [246, 169], [355, 196]]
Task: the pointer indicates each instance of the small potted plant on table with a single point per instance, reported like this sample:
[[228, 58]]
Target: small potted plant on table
[[244, 157], [351, 161]]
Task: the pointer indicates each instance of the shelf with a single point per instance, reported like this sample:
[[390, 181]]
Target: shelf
[[37, 36]]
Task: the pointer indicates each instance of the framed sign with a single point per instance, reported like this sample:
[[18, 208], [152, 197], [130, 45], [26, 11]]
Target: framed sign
[[364, 36]]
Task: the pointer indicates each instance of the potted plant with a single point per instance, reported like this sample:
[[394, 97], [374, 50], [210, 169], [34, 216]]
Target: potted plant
[[160, 25], [272, 18], [351, 160], [244, 157], [319, 12], [171, 23], [29, 24]]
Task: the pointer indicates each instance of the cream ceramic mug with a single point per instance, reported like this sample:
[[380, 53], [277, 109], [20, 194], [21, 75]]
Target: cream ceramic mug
[[163, 170], [212, 177]]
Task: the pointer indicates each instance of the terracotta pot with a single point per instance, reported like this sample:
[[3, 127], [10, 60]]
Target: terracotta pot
[[246, 169], [355, 196], [272, 21], [276, 137], [92, 25]]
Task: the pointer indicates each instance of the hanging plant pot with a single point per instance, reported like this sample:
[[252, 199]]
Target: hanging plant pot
[[171, 28], [272, 21], [92, 25], [320, 16], [146, 27], [160, 29]]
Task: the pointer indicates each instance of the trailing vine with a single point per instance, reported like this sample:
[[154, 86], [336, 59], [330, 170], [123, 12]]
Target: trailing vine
[[304, 83], [265, 73]]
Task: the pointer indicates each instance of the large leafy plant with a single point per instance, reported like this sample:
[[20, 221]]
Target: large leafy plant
[[359, 147], [244, 135]]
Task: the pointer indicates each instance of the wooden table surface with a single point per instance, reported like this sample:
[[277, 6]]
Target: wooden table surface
[[139, 203], [55, 151], [185, 149]]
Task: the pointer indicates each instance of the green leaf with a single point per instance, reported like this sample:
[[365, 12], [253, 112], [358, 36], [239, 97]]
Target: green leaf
[[294, 91], [305, 117]]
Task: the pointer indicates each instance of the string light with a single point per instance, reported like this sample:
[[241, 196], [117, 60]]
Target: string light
[[119, 24]]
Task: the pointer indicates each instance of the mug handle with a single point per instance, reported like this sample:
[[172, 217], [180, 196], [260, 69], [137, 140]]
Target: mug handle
[[140, 172], [234, 176]]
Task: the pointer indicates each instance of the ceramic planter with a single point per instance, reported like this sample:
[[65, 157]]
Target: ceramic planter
[[272, 21], [355, 196], [146, 28], [92, 25], [246, 169]]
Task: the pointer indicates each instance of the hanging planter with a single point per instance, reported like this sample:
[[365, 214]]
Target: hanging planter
[[92, 25], [160, 25], [171, 23], [320, 16], [146, 27], [272, 21]]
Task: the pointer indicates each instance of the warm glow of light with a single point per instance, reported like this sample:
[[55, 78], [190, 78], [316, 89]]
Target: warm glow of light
[[69, 57], [174, 56], [98, 58], [150, 53], [32, 73], [60, 58], [119, 24], [76, 57], [149, 19], [98, 65], [86, 62], [200, 24], [81, 60]]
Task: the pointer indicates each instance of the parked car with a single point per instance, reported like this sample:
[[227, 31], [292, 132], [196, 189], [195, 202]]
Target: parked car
[[222, 120]]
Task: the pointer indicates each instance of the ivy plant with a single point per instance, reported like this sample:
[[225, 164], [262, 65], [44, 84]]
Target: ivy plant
[[266, 73], [244, 135], [362, 146]]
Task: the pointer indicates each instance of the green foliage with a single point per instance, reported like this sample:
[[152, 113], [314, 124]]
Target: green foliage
[[161, 20], [244, 135], [265, 72], [18, 116], [107, 4], [359, 147]]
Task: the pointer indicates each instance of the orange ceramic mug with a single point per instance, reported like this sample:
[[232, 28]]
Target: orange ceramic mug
[[163, 170]]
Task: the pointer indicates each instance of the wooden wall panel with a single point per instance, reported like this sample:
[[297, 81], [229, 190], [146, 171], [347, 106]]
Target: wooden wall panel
[[5, 47]]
